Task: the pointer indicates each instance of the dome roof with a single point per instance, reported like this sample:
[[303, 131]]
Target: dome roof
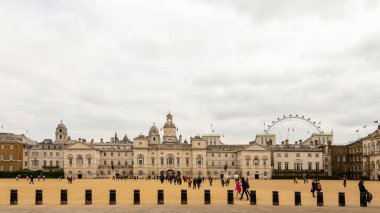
[[153, 128], [169, 116], [61, 126]]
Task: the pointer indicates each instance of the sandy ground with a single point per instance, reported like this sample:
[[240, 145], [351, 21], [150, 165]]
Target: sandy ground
[[148, 189]]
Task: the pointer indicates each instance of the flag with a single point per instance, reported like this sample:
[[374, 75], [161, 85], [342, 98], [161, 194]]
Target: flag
[[374, 122], [364, 126], [27, 131], [357, 130]]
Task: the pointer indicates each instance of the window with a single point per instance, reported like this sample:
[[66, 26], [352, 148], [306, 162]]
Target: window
[[105, 163], [212, 163], [26, 153], [152, 161], [35, 162], [44, 162], [126, 162], [2, 146], [89, 161], [212, 155], [327, 167], [219, 155], [51, 154], [286, 166], [44, 154], [51, 163], [79, 160], [26, 163], [225, 155], [317, 155], [286, 155], [105, 154], [256, 162], [1, 156], [57, 163], [140, 160], [57, 154], [118, 154], [118, 163], [70, 162], [187, 162], [327, 159], [10, 146], [297, 155], [265, 162], [279, 154], [309, 166], [317, 166], [279, 166], [111, 153], [1, 168], [233, 163], [309, 154], [199, 160], [178, 161], [162, 161], [170, 161], [10, 168]]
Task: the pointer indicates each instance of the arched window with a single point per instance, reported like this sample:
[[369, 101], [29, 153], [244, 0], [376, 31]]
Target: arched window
[[187, 161], [247, 160], [256, 161], [79, 160], [140, 160], [199, 160], [88, 159], [170, 160], [264, 159], [178, 161], [141, 172]]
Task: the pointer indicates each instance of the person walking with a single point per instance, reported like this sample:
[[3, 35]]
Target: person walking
[[344, 182], [31, 179], [238, 189], [189, 183], [313, 187], [245, 186], [363, 190]]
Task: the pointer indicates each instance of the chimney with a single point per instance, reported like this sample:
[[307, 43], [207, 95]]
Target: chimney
[[296, 142], [286, 141], [282, 142], [101, 140]]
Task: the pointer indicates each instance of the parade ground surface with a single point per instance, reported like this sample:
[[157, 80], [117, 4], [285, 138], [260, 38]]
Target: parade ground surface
[[172, 196]]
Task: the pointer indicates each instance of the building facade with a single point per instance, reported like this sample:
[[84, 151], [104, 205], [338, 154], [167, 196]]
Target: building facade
[[165, 153]]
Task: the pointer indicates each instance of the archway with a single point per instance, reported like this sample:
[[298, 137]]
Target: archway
[[170, 173]]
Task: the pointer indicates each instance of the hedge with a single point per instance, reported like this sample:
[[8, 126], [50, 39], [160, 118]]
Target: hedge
[[321, 177], [48, 174]]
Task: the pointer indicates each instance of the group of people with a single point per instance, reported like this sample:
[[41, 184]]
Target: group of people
[[241, 188]]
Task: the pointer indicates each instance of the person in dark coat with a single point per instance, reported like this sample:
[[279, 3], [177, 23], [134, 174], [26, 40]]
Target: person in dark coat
[[313, 187], [245, 186]]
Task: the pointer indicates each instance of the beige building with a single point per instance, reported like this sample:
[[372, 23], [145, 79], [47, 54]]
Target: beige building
[[167, 154], [371, 155]]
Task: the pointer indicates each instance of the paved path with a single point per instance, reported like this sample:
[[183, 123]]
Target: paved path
[[178, 208]]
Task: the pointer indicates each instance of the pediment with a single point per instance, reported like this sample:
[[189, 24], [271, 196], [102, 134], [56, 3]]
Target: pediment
[[256, 147], [79, 145]]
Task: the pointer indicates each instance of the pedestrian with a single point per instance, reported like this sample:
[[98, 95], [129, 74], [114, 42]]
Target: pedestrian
[[319, 186], [344, 182], [43, 177], [363, 190], [245, 186], [210, 180], [189, 183], [31, 179], [222, 180], [238, 189], [194, 182], [313, 187]]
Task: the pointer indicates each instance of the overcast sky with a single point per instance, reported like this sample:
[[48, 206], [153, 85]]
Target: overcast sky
[[106, 66]]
